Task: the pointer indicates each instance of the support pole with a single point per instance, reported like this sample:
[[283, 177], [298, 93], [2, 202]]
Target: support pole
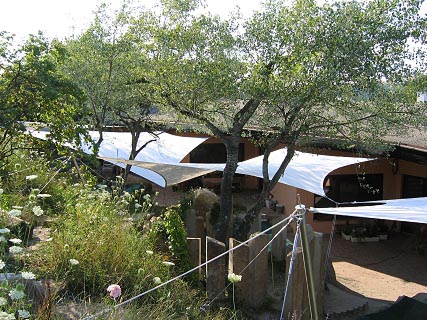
[[307, 263]]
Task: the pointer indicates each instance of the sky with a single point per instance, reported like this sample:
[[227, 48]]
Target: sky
[[61, 18]]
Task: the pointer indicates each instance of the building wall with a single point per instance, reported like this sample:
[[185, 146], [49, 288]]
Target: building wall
[[288, 196], [392, 186]]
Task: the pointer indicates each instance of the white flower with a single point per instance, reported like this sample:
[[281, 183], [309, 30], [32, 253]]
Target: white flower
[[28, 275], [24, 314], [74, 262], [15, 213], [149, 252], [15, 294], [43, 195], [15, 249], [157, 280], [38, 211], [3, 302], [2, 264], [4, 230], [1, 191], [146, 196], [31, 177], [2, 239], [15, 241], [6, 316], [234, 278], [168, 263]]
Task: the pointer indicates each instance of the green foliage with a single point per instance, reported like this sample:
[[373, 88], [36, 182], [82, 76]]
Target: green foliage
[[170, 227], [32, 89], [86, 234]]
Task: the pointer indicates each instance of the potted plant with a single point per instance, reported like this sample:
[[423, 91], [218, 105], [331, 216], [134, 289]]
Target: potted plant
[[346, 232]]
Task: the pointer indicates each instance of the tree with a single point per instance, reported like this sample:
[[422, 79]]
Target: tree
[[110, 70], [297, 71], [339, 73], [197, 72], [33, 89]]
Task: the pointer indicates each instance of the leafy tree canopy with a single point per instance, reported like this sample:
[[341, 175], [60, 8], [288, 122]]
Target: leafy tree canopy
[[32, 89]]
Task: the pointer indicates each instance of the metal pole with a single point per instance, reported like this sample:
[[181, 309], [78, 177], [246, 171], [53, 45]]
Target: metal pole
[[307, 264]]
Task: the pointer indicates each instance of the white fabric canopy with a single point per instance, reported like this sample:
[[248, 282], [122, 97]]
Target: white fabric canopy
[[166, 149], [305, 171], [172, 174], [409, 210]]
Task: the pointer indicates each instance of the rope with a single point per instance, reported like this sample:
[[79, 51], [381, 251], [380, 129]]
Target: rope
[[185, 273], [57, 171], [291, 218], [291, 264]]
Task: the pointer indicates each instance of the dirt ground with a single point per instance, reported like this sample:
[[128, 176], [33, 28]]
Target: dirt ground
[[382, 270]]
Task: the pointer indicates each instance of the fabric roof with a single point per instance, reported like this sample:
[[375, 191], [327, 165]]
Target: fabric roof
[[172, 174], [166, 149], [305, 171], [409, 210]]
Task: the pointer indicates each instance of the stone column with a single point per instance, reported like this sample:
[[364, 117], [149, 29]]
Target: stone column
[[195, 246], [237, 261], [278, 249], [215, 271], [258, 271]]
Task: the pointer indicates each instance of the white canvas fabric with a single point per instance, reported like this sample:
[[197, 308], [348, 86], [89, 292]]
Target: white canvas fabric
[[166, 149], [305, 171], [409, 210]]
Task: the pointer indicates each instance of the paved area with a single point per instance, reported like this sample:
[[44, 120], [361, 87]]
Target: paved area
[[377, 272]]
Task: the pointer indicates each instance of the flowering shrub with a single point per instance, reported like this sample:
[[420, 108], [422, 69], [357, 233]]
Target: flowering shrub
[[93, 242]]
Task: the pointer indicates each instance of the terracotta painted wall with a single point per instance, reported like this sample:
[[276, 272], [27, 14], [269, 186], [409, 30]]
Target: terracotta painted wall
[[392, 186]]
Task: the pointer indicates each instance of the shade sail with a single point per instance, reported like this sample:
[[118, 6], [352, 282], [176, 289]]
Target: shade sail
[[171, 174], [409, 210], [305, 171], [165, 148]]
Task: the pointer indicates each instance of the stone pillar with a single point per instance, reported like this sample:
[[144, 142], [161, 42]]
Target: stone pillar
[[190, 224], [318, 261], [258, 271], [215, 271], [195, 246], [237, 261], [298, 302], [278, 249], [297, 292]]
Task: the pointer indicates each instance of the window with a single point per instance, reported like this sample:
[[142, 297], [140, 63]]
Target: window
[[414, 187], [349, 188], [213, 153]]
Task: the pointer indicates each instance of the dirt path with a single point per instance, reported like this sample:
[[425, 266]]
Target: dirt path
[[382, 270]]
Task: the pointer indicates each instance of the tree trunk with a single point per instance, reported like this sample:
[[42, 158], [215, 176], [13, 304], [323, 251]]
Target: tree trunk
[[244, 226], [224, 223]]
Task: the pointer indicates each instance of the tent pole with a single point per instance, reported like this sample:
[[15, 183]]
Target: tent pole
[[308, 265]]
